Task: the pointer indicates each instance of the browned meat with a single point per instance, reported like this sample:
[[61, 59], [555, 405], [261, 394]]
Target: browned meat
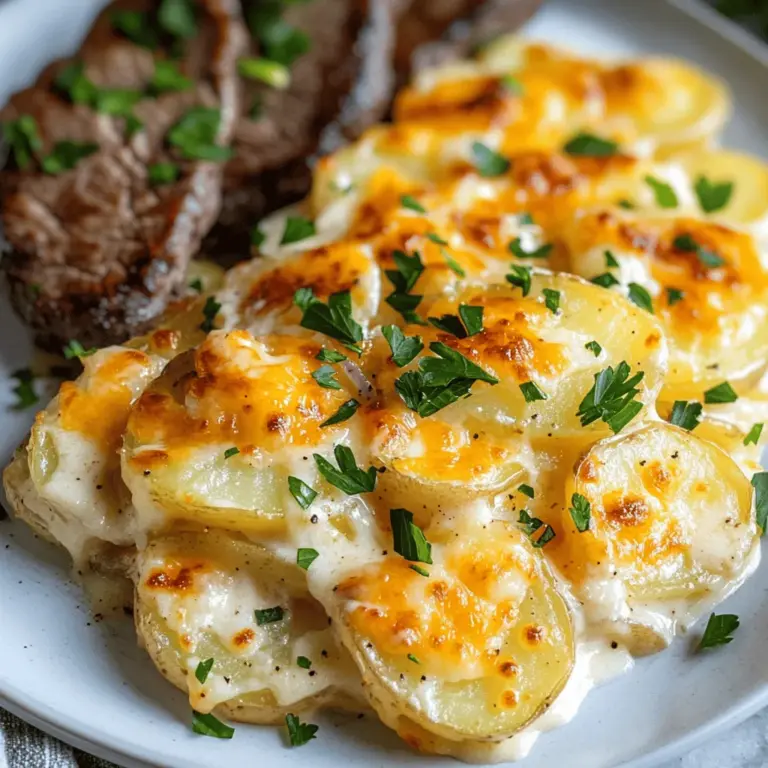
[[97, 250]]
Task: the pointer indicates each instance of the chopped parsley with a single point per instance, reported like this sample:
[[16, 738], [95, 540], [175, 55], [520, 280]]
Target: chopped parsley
[[410, 202], [606, 280], [673, 296], [24, 389], [488, 162], [515, 247], [413, 658], [75, 349], [210, 310], [512, 85], [230, 452], [299, 733], [196, 285], [177, 18], [686, 415], [520, 277], [419, 570], [435, 238], [303, 662], [612, 398], [440, 380], [532, 392], [405, 304], [277, 38], [760, 484], [468, 323], [409, 540], [300, 491], [257, 236], [72, 84], [581, 512], [407, 272], [594, 348], [346, 411], [627, 205], [450, 324], [162, 173], [719, 630], [297, 228], [203, 669], [688, 244], [117, 102], [194, 135], [722, 393], [712, 196], [663, 192], [640, 296], [210, 725], [136, 27], [531, 525], [589, 145], [552, 300], [610, 260], [526, 490], [754, 434], [267, 71], [66, 155], [348, 477], [305, 556], [324, 376], [330, 356], [404, 348], [268, 615], [22, 138], [168, 78], [333, 319]]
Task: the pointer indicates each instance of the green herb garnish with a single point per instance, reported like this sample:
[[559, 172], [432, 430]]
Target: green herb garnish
[[594, 348], [533, 524], [606, 280], [532, 392], [663, 192], [521, 277], [348, 477], [581, 512], [686, 415], [526, 490], [421, 571], [760, 484], [487, 162], [330, 356], [712, 196], [640, 296], [754, 434], [162, 173], [66, 155], [333, 319], [268, 615], [589, 145], [708, 258], [195, 134], [297, 228], [346, 411], [203, 669], [210, 310], [303, 662], [409, 540], [404, 348], [410, 202], [24, 389], [673, 296], [515, 247], [611, 398], [299, 733], [272, 73], [230, 452], [300, 491], [551, 300], [305, 556], [325, 377], [719, 630], [75, 349], [722, 393], [210, 725], [22, 138], [168, 78]]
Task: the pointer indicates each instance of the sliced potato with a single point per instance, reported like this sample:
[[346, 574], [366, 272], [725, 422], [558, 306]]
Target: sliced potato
[[718, 328], [671, 527], [216, 437], [473, 651], [524, 344], [212, 596]]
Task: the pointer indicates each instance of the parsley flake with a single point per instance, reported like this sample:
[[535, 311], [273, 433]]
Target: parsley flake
[[760, 484], [409, 540], [167, 78], [712, 196], [552, 300], [512, 85], [194, 135], [435, 238], [333, 319], [324, 376], [75, 349], [297, 228], [688, 244], [521, 277], [24, 389], [303, 662], [330, 356], [305, 556], [754, 434], [258, 236], [299, 733], [532, 392], [526, 490], [346, 411], [515, 247], [686, 415], [722, 393], [210, 310], [271, 73], [300, 491], [410, 202], [177, 18], [419, 570], [531, 525], [452, 264], [589, 145], [348, 478], [606, 280], [230, 452], [640, 296], [719, 630], [268, 615], [663, 192], [66, 155], [203, 669], [413, 658], [610, 260], [407, 272], [611, 398], [23, 139], [488, 162], [581, 512], [196, 285], [404, 348], [210, 725], [594, 348], [162, 173], [674, 296]]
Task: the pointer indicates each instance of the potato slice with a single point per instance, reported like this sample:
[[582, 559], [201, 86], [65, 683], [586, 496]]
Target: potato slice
[[671, 528], [533, 352], [216, 437], [718, 328], [474, 651], [213, 596]]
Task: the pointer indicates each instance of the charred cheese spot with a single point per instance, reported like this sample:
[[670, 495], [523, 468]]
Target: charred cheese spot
[[175, 576], [243, 638], [625, 511]]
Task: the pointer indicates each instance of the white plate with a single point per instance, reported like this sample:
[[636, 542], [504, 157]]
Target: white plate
[[90, 685]]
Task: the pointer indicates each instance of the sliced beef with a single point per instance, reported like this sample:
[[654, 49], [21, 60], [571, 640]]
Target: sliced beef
[[97, 251], [360, 50]]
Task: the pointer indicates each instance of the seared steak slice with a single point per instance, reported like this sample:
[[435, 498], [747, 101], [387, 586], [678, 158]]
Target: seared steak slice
[[358, 51], [98, 250]]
